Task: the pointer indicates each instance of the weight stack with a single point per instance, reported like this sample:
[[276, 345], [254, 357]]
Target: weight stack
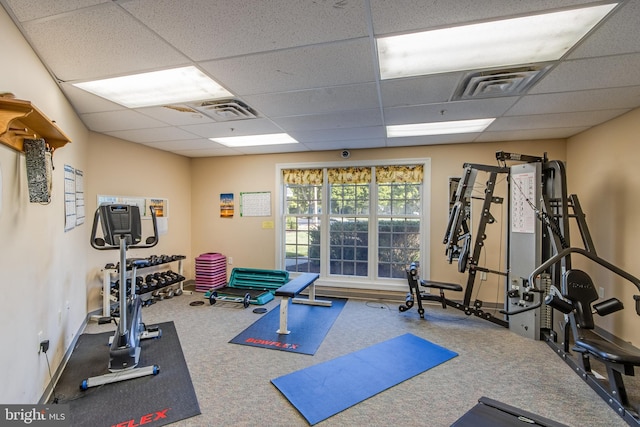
[[211, 271]]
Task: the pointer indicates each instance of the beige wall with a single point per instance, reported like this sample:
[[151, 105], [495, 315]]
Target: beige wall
[[252, 246], [119, 168], [602, 171], [49, 276], [42, 267]]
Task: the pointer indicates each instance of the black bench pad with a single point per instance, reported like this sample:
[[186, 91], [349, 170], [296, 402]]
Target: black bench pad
[[292, 288], [441, 285], [608, 351]]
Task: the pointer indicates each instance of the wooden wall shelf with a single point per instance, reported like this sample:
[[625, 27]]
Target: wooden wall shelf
[[20, 119]]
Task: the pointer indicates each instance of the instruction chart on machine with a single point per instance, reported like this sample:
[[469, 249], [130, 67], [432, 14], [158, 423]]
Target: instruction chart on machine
[[523, 217]]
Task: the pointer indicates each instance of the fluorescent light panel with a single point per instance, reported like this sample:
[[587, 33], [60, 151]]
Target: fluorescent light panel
[[157, 88], [517, 41], [438, 128], [255, 140]]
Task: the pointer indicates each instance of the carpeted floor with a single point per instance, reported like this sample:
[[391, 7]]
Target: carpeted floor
[[232, 382]]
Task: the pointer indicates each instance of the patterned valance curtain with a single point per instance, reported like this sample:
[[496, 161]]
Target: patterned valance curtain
[[349, 175], [302, 176], [399, 174]]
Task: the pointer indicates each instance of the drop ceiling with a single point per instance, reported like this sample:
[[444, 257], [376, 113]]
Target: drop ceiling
[[309, 68]]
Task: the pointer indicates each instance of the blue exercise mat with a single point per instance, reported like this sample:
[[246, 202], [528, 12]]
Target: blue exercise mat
[[309, 324], [321, 391]]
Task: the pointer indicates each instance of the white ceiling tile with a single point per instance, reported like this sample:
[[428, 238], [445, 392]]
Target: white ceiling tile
[[595, 73], [271, 149], [419, 90], [317, 66], [557, 120], [432, 140], [187, 144], [233, 128], [174, 117], [353, 144], [104, 40], [207, 152], [444, 112], [222, 28], [27, 10], [607, 41], [156, 134], [341, 134], [529, 134], [118, 120], [313, 101], [343, 119], [585, 100]]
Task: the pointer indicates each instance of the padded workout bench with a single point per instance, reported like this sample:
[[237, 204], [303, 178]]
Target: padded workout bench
[[290, 291]]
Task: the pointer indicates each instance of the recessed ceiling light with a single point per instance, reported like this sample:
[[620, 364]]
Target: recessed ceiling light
[[157, 88], [255, 140], [517, 41], [438, 128]]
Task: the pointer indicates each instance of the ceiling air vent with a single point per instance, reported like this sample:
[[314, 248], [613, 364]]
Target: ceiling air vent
[[497, 83], [221, 110], [225, 109]]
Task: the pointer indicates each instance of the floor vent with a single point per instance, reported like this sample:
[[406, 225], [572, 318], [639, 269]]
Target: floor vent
[[499, 83], [222, 110]]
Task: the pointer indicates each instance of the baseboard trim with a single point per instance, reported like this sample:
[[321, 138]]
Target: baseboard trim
[[48, 391]]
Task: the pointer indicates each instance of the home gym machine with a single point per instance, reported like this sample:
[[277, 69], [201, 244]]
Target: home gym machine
[[534, 234], [537, 226], [122, 229], [540, 279]]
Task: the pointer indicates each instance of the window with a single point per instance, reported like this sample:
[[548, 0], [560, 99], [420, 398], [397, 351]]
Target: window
[[360, 223]]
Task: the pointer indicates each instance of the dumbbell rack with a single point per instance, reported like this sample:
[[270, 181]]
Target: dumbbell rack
[[154, 261]]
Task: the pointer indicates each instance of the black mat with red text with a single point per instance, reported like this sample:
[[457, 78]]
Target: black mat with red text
[[153, 400]]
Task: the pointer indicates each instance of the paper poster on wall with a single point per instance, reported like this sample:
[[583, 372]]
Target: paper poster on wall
[[226, 205], [69, 198], [161, 207], [255, 203], [80, 213]]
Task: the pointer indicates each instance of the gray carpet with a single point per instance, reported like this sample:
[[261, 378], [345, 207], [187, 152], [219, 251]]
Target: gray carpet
[[233, 385]]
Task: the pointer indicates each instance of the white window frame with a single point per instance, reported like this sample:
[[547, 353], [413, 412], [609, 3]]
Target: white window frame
[[349, 281]]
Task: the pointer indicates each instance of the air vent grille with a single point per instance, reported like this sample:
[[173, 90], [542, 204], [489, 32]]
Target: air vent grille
[[497, 83], [222, 110]]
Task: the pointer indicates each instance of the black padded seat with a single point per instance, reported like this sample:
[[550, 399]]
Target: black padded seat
[[441, 285], [608, 351]]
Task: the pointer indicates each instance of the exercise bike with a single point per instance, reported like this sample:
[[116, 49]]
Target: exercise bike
[[122, 229]]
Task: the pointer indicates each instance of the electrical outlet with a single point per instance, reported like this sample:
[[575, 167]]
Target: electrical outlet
[[230, 260], [601, 292], [483, 275]]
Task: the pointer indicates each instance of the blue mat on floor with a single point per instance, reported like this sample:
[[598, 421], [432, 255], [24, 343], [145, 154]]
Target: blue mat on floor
[[323, 390], [309, 324]]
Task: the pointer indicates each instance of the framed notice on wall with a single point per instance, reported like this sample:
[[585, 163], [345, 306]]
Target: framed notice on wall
[[255, 203]]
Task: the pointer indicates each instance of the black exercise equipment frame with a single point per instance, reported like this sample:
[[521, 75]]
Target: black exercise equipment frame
[[124, 351], [613, 390]]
